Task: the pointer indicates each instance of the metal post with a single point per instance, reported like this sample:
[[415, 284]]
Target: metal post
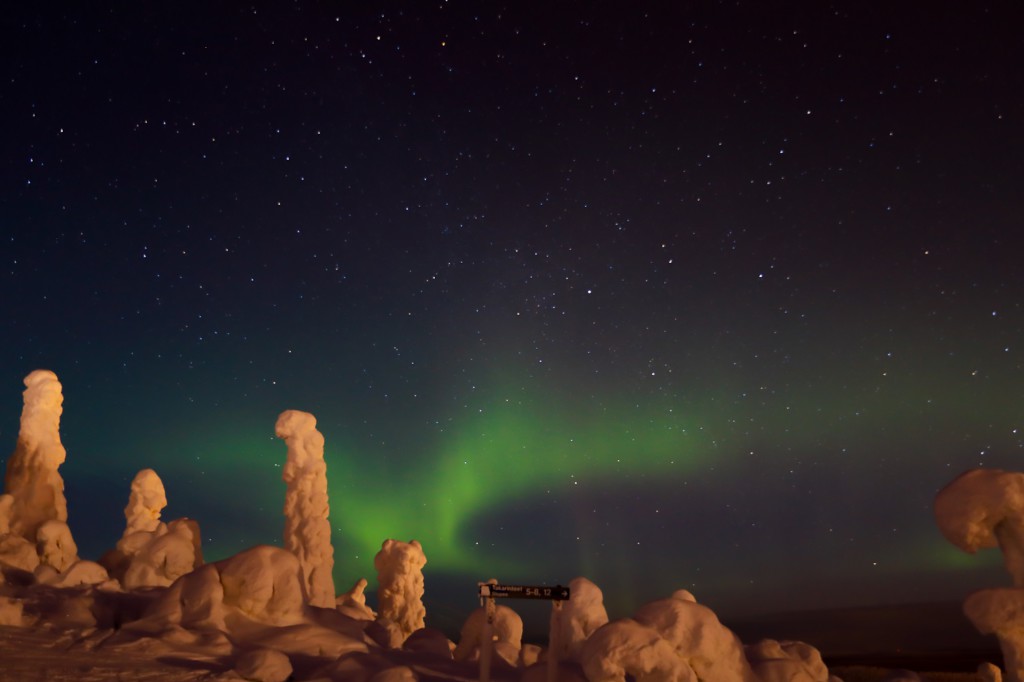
[[554, 640], [487, 640]]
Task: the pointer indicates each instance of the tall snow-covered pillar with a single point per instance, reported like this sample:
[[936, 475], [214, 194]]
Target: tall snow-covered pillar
[[35, 487], [307, 532], [400, 584]]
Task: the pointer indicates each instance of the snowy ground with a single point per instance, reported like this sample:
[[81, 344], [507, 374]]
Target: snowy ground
[[52, 656], [46, 654], [49, 655]]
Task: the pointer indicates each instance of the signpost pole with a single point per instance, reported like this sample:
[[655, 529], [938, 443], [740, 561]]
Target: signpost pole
[[554, 640], [487, 640], [490, 591]]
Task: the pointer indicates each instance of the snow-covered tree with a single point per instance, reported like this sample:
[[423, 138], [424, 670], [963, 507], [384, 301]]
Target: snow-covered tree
[[34, 490], [400, 584], [307, 532]]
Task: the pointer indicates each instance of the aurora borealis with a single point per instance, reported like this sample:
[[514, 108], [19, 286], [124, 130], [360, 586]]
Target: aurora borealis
[[710, 296]]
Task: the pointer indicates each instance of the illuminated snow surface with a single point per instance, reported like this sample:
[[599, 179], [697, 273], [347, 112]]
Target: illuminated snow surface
[[246, 618]]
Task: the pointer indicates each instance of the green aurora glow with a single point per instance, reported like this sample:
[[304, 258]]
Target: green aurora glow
[[546, 445]]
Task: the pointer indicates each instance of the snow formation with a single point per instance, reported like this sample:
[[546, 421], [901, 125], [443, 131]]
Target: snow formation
[[307, 532], [989, 672], [581, 615], [152, 553], [165, 557], [353, 602], [775, 661], [985, 508], [625, 647], [400, 584], [33, 489], [265, 583], [146, 501], [264, 665], [55, 546], [696, 635], [1000, 612], [507, 635]]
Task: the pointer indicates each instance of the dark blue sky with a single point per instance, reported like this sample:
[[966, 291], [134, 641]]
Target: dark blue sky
[[704, 295]]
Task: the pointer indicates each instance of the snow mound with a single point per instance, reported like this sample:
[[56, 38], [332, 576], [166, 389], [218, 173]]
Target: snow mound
[[164, 557], [81, 573], [10, 611], [429, 641], [264, 665], [18, 552], [566, 672], [265, 583], [775, 661], [989, 672], [684, 595], [399, 673], [357, 667], [507, 634], [308, 639], [529, 654], [695, 633], [1000, 612], [262, 583], [33, 506], [196, 600], [55, 545], [582, 614], [626, 647], [152, 553]]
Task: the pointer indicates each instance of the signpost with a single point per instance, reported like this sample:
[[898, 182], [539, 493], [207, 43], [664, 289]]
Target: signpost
[[490, 591]]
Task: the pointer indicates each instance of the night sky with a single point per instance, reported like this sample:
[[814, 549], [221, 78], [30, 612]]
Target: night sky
[[671, 295]]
